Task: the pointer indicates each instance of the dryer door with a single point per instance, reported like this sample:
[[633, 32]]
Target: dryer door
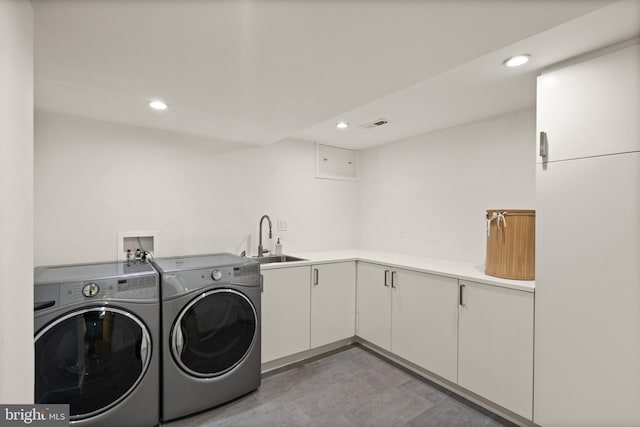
[[91, 359], [214, 333]]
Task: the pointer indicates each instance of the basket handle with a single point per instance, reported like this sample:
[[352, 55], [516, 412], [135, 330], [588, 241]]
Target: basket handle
[[498, 216]]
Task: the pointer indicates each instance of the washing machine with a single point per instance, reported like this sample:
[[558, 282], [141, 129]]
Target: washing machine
[[210, 331], [97, 329]]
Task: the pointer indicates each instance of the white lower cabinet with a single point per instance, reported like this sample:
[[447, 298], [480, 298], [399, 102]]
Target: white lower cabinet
[[495, 357], [333, 302], [286, 311], [373, 310], [307, 307], [424, 321], [476, 335], [411, 314]]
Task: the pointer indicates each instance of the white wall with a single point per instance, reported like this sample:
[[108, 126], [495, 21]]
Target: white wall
[[434, 189], [16, 195], [94, 179]]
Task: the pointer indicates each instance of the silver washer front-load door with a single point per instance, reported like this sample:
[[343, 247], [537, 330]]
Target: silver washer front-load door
[[214, 333], [91, 359]]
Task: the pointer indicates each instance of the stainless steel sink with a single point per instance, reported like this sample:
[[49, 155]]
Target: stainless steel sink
[[277, 258]]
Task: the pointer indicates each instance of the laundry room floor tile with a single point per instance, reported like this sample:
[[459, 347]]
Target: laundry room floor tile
[[349, 388]]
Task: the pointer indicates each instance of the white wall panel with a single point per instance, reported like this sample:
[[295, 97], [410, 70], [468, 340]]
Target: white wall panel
[[16, 206]]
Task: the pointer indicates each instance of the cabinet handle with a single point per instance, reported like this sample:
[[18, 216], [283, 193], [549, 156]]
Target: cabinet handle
[[544, 145], [394, 276], [461, 292], [386, 278], [261, 283], [316, 276]]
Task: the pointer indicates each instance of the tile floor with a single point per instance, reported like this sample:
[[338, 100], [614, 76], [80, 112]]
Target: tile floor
[[352, 387]]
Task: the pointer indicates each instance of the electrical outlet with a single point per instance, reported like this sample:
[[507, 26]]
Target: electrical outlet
[[282, 225], [402, 232]]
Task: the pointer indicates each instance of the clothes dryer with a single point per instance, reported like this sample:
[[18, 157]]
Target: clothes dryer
[[96, 335], [210, 331]]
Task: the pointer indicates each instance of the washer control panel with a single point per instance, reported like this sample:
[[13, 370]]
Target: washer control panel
[[90, 290], [130, 288], [216, 275]]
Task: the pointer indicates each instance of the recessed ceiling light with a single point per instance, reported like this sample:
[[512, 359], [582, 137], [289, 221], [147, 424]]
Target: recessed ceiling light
[[158, 105], [517, 60], [342, 125]]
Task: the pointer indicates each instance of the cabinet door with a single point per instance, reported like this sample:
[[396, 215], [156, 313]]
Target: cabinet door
[[591, 108], [587, 321], [424, 319], [286, 311], [373, 318], [333, 302], [495, 358]]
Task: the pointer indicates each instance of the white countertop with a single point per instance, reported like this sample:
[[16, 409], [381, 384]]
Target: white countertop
[[455, 269]]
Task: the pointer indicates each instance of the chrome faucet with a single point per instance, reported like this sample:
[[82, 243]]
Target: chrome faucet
[[261, 251]]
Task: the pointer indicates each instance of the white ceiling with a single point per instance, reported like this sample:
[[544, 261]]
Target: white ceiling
[[257, 71]]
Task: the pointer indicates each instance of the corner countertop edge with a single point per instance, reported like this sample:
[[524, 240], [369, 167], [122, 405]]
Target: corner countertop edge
[[465, 271]]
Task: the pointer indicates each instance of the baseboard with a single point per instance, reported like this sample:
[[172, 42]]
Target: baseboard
[[268, 368]]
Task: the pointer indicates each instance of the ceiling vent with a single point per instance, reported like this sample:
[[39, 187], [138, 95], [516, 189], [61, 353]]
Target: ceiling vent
[[374, 124]]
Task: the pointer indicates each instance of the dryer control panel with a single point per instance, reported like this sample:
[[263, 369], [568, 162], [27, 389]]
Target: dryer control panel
[[182, 282]]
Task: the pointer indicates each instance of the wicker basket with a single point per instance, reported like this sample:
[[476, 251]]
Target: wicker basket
[[511, 244]]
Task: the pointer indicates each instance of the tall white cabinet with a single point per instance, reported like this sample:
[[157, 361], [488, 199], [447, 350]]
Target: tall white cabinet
[[587, 299], [587, 109]]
